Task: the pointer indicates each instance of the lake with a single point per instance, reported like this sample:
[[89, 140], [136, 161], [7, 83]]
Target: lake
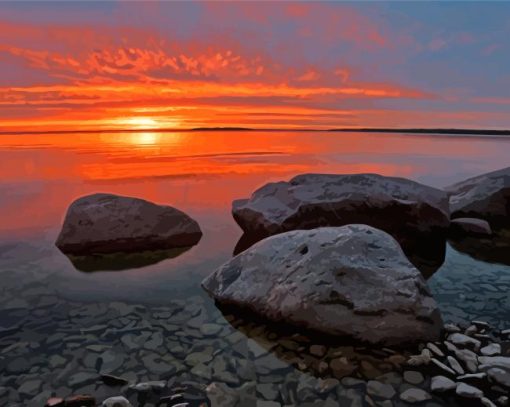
[[57, 322]]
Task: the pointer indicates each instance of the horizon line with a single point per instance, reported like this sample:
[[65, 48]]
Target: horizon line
[[417, 130]]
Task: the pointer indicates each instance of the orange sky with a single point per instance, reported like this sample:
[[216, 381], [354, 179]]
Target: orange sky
[[122, 65]]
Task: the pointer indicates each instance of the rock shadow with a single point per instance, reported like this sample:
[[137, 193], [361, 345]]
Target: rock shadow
[[319, 355], [491, 249], [122, 261]]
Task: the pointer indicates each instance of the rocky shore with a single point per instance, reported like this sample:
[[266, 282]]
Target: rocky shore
[[333, 313]]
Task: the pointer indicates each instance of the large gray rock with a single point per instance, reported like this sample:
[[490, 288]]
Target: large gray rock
[[105, 223], [486, 197], [347, 281], [415, 214]]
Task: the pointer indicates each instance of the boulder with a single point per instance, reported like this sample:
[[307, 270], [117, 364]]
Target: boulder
[[106, 223], [415, 214], [486, 197], [351, 281], [470, 226]]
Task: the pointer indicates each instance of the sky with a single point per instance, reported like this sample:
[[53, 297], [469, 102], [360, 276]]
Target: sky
[[139, 65]]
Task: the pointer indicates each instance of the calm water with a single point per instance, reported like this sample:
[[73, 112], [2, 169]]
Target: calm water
[[201, 173]]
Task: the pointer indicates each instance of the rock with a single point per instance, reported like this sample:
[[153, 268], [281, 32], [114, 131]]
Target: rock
[[380, 390], [210, 329], [441, 384], [481, 324], [486, 402], [451, 328], [499, 376], [82, 378], [413, 377], [30, 387], [485, 197], [105, 223], [422, 359], [492, 349], [117, 401], [221, 395], [318, 350], [434, 349], [469, 359], [145, 387], [442, 367], [455, 365], [401, 207], [503, 401], [494, 361], [472, 376], [414, 395], [464, 341], [465, 390], [470, 226], [350, 281]]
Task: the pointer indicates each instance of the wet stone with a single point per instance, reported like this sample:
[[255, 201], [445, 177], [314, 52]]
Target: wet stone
[[492, 349], [414, 395], [441, 384], [465, 390], [210, 329], [413, 377], [380, 390], [455, 365], [117, 401]]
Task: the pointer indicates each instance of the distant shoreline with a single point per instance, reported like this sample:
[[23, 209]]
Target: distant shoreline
[[481, 132]]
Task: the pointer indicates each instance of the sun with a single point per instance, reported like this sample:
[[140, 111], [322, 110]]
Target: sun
[[140, 122]]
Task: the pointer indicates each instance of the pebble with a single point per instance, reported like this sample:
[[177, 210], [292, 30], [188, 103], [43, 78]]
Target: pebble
[[435, 349], [464, 341], [442, 366], [451, 328], [318, 350], [381, 390], [499, 376], [492, 349], [465, 390], [413, 377], [471, 376], [455, 365], [494, 361], [210, 329], [117, 401], [441, 384], [414, 395], [469, 359]]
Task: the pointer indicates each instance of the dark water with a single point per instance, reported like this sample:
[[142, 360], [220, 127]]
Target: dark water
[[56, 321]]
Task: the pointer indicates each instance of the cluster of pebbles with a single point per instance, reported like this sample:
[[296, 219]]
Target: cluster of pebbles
[[471, 365], [186, 354]]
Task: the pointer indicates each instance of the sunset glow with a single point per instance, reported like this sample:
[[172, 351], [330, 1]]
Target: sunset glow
[[178, 65]]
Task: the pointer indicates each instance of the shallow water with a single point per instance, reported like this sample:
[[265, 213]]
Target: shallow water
[[48, 308]]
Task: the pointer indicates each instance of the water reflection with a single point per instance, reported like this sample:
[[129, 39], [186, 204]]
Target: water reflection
[[317, 355], [491, 249], [123, 261]]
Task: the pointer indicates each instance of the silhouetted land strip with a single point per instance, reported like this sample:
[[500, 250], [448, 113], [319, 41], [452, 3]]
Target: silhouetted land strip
[[429, 131], [480, 132]]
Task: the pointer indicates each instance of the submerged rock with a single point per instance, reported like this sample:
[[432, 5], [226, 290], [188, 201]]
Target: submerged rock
[[486, 197], [348, 281], [106, 223], [415, 214]]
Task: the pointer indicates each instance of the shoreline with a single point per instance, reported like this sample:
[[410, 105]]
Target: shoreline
[[431, 131]]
